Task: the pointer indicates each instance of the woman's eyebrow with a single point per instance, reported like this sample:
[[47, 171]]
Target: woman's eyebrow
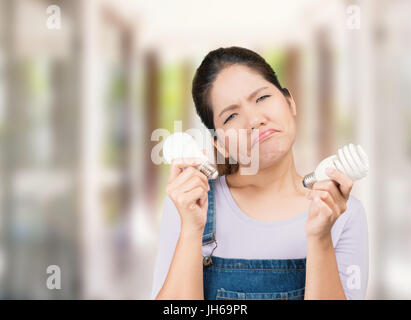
[[249, 98]]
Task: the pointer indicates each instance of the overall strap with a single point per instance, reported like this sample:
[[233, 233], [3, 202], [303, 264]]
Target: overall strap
[[209, 228]]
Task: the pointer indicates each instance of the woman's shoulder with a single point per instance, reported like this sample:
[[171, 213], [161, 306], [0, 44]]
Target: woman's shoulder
[[170, 215], [354, 211], [354, 205], [352, 220]]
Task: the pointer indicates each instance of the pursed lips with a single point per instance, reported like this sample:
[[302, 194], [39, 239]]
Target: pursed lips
[[264, 134]]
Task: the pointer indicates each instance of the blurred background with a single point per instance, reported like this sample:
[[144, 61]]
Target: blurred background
[[79, 101]]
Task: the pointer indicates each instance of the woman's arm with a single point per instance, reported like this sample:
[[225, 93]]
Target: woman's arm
[[188, 190], [322, 276], [185, 277], [351, 254], [329, 199]]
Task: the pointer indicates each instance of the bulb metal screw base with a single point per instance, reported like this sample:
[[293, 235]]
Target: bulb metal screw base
[[309, 180], [208, 169]]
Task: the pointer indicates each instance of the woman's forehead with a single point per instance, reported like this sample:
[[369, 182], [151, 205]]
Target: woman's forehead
[[234, 84]]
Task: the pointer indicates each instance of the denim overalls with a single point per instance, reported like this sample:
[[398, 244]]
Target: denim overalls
[[226, 278]]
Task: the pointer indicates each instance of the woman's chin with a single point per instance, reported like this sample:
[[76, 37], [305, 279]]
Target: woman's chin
[[268, 153]]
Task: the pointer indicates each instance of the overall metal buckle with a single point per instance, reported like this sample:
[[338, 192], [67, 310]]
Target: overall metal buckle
[[207, 261]]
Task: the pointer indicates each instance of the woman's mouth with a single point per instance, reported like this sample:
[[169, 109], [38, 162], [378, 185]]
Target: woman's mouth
[[264, 135]]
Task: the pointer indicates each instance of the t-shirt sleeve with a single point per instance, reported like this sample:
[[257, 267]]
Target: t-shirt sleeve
[[352, 253], [167, 241]]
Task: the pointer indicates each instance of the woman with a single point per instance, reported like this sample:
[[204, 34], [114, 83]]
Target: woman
[[259, 236]]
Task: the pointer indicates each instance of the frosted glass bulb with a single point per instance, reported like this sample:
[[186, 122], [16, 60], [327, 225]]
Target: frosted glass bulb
[[351, 160], [182, 145]]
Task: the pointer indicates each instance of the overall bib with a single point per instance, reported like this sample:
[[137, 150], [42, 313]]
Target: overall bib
[[226, 278]]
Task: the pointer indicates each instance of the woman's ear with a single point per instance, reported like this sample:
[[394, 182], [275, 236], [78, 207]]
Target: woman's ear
[[291, 101]]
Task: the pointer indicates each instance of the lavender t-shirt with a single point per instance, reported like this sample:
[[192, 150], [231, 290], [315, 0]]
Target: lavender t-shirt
[[243, 237]]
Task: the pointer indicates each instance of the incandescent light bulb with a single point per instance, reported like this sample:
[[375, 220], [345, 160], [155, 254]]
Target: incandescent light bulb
[[182, 145]]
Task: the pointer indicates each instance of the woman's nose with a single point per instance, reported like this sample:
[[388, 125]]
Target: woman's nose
[[256, 120]]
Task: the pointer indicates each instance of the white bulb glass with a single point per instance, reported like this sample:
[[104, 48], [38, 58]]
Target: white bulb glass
[[183, 145], [351, 160]]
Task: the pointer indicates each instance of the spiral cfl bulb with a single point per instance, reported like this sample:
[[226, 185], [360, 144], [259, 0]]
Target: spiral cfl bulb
[[182, 145], [350, 160]]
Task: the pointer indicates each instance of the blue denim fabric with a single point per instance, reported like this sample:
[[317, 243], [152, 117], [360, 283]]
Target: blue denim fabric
[[235, 279]]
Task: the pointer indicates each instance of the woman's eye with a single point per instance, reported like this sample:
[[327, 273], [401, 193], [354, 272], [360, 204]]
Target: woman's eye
[[262, 97], [229, 118]]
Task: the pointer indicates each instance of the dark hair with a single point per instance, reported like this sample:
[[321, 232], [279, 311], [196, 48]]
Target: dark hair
[[214, 62]]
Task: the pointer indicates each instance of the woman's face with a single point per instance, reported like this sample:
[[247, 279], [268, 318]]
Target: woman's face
[[243, 101]]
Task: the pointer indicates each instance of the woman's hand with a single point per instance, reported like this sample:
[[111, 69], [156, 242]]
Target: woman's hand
[[329, 201], [188, 189]]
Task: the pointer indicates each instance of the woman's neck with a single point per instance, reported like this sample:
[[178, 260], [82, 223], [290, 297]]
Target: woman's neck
[[280, 179]]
